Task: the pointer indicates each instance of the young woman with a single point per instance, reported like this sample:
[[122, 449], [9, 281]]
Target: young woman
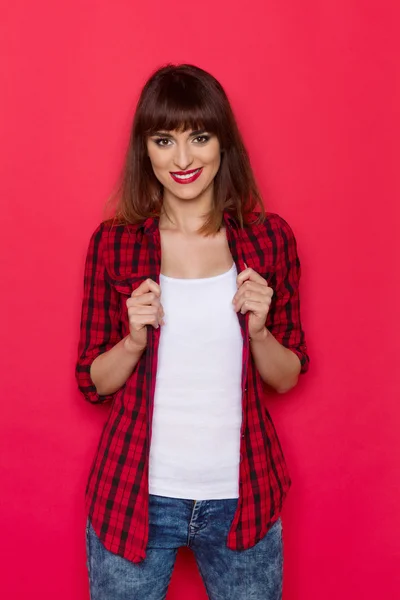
[[191, 304]]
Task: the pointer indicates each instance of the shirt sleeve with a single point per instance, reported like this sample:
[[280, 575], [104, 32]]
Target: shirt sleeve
[[100, 318], [283, 319]]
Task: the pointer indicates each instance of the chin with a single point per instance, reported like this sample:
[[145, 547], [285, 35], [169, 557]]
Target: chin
[[187, 194]]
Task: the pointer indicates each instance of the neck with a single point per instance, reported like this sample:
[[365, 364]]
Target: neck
[[186, 216]]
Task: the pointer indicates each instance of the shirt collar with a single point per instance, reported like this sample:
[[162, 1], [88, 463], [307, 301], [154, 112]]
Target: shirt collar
[[150, 224], [230, 220]]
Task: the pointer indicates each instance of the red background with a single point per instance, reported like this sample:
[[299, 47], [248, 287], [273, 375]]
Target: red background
[[315, 86]]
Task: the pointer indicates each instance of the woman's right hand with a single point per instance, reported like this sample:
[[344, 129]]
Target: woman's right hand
[[144, 308]]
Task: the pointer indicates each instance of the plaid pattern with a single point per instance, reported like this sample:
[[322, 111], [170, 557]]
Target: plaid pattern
[[119, 258]]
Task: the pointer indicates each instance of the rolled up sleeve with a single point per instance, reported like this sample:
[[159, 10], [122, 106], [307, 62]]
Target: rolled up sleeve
[[100, 318], [284, 320]]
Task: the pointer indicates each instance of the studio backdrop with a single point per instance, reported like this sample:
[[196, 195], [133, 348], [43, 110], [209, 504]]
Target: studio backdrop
[[315, 88]]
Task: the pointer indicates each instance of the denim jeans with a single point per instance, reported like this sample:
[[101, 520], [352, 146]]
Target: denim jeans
[[202, 525]]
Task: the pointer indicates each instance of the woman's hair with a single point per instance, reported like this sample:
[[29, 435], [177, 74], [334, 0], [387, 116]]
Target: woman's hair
[[181, 98]]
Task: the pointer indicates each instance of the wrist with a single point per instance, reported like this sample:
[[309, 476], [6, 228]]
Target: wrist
[[132, 347], [260, 336]]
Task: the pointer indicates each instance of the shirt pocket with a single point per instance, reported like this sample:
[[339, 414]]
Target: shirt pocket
[[125, 285], [124, 288]]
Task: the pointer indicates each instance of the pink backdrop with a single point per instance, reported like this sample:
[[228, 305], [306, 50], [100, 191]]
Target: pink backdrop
[[314, 89]]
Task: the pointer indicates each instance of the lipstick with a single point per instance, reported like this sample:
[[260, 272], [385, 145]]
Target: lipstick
[[186, 176]]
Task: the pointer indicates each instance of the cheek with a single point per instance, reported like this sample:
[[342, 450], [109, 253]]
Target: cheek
[[214, 157], [216, 162], [159, 165]]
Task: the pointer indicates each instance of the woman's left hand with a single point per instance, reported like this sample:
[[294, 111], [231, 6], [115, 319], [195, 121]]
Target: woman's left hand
[[253, 296]]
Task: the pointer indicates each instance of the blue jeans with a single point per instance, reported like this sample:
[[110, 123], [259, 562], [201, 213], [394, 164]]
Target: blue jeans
[[252, 574]]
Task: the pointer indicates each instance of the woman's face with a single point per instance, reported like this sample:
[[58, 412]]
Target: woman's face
[[185, 163]]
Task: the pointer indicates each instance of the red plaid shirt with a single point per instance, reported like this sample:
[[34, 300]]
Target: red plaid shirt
[[119, 258]]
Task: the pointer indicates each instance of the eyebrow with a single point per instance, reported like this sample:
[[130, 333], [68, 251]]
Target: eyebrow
[[168, 135]]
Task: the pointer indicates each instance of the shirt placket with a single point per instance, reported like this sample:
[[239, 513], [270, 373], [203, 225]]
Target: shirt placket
[[153, 335], [236, 250]]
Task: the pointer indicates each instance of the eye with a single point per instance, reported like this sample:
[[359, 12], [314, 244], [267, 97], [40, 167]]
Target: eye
[[162, 141], [201, 139]]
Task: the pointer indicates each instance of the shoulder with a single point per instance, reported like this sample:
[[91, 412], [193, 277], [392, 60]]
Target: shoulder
[[272, 226], [109, 234], [269, 243], [112, 228], [111, 243], [272, 231]]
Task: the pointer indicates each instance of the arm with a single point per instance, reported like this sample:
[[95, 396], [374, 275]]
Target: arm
[[280, 351], [109, 371], [278, 366], [105, 361], [277, 340]]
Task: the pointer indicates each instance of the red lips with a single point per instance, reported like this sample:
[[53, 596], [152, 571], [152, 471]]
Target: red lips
[[183, 172], [178, 175]]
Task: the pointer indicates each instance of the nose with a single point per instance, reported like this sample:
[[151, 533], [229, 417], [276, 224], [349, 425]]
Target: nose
[[182, 157]]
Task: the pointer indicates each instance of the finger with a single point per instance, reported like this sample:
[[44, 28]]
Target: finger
[[138, 321], [249, 288], [253, 297], [250, 274], [260, 309], [148, 285], [148, 298], [256, 285], [147, 310], [257, 308], [143, 310]]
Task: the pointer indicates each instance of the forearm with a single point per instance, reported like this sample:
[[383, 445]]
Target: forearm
[[110, 370], [278, 366]]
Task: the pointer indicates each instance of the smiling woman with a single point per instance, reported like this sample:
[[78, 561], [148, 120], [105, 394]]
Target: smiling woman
[[183, 122], [191, 304]]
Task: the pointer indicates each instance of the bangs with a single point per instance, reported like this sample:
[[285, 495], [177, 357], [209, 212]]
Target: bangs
[[180, 104]]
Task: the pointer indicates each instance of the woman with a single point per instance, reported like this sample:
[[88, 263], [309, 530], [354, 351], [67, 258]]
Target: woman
[[191, 304]]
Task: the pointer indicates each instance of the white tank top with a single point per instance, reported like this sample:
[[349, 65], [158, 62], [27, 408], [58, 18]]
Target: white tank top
[[195, 444]]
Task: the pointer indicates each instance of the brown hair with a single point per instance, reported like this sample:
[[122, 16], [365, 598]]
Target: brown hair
[[183, 97]]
